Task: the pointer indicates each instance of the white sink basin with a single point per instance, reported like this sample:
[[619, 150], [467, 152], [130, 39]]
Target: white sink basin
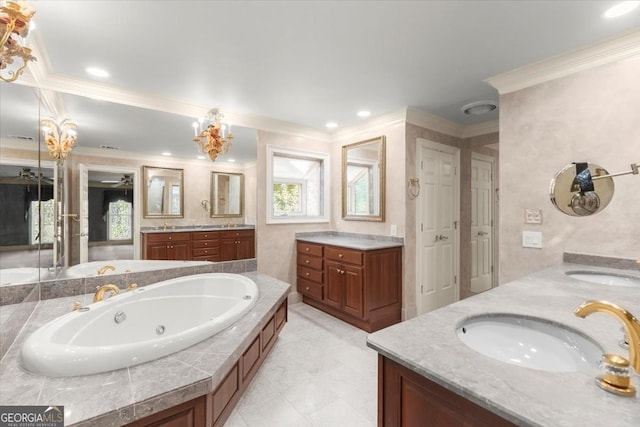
[[530, 342], [604, 278]]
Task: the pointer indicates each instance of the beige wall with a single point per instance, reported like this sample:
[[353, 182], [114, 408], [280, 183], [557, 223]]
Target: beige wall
[[588, 116]]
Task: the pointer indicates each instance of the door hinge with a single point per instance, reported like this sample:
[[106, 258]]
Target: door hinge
[[455, 225], [421, 164], [421, 289], [455, 279], [421, 227], [492, 268]]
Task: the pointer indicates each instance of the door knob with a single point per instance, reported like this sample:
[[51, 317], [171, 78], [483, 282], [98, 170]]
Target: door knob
[[482, 233], [441, 237]]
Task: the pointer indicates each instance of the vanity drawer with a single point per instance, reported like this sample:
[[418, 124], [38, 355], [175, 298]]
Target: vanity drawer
[[205, 235], [310, 289], [350, 256], [205, 252], [168, 237], [309, 261], [205, 244], [309, 274], [236, 233], [309, 249]]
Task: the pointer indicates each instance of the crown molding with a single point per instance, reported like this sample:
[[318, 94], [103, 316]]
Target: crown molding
[[371, 125], [482, 128], [606, 51]]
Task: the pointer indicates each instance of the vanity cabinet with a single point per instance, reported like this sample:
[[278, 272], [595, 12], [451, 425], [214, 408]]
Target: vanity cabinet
[[167, 246], [210, 245], [237, 244], [188, 414], [205, 246], [408, 399], [362, 287]]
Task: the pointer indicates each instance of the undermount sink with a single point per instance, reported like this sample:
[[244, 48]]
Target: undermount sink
[[604, 278], [530, 342]]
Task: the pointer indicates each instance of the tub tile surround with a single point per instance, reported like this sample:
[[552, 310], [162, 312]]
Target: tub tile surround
[[125, 395], [429, 346]]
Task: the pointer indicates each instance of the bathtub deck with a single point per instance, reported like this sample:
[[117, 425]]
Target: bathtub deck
[[123, 396]]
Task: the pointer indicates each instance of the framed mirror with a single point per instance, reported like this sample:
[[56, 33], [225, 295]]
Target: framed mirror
[[227, 195], [163, 192], [363, 180]]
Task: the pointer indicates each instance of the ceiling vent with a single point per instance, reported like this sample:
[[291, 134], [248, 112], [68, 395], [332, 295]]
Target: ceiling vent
[[479, 107]]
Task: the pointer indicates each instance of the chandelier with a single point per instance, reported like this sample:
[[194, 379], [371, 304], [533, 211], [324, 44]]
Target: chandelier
[[211, 140], [59, 139], [14, 21]]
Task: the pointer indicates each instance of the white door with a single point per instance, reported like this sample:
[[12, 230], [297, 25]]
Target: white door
[[83, 236], [481, 225], [438, 218]]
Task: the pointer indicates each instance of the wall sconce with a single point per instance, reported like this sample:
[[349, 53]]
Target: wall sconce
[[59, 139], [14, 21], [212, 140], [414, 187]]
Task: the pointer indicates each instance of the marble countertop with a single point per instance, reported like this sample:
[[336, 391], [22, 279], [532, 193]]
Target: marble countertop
[[190, 228], [429, 346], [362, 242], [125, 395]]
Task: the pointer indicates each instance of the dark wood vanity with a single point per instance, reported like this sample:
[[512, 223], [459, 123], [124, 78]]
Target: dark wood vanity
[[361, 287], [209, 245]]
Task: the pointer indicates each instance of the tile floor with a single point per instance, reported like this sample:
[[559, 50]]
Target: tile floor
[[319, 373]]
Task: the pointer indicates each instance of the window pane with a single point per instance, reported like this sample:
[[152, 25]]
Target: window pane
[[297, 188], [119, 223], [48, 221], [287, 199]]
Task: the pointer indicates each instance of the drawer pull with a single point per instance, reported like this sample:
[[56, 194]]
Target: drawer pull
[[306, 249], [205, 243], [306, 261], [306, 274], [307, 288], [169, 237], [340, 255], [206, 235]]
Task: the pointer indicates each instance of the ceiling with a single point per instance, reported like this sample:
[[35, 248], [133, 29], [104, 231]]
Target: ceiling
[[286, 63]]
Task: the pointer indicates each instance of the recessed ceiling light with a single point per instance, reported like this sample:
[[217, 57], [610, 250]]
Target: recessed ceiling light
[[621, 9], [97, 72], [364, 113], [479, 107], [231, 160], [200, 157], [166, 153], [331, 125]]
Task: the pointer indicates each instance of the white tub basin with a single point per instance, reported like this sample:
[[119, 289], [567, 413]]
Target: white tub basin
[[530, 342], [604, 278], [138, 326], [121, 266], [13, 276]]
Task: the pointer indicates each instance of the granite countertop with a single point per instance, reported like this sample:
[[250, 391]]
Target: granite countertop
[[363, 242], [189, 228], [120, 397], [429, 346]]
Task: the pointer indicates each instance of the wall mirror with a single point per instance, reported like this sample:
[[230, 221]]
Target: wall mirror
[[227, 195], [163, 192], [363, 180]]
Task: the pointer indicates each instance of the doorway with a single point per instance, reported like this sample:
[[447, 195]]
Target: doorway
[[438, 211], [115, 179], [482, 223]]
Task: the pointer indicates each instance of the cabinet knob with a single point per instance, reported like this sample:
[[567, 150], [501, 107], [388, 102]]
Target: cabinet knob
[[205, 243], [306, 274], [307, 288], [306, 261], [206, 252], [340, 255], [306, 249], [169, 237], [237, 234], [206, 235]]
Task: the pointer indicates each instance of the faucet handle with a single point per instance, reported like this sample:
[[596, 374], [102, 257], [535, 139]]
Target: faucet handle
[[132, 286], [616, 377], [77, 306]]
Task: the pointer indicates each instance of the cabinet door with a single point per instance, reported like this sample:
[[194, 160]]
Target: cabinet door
[[246, 248], [334, 287], [353, 291], [157, 251], [181, 251], [228, 249]]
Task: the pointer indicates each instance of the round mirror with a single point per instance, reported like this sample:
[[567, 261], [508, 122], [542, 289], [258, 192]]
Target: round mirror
[[577, 190]]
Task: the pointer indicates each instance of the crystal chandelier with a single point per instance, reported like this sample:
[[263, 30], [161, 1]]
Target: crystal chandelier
[[14, 27], [211, 140], [59, 139]]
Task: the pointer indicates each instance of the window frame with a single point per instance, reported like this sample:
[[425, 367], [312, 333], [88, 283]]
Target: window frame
[[109, 225], [324, 159]]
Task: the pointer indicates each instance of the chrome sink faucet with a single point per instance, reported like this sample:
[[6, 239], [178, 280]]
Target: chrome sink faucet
[[617, 379]]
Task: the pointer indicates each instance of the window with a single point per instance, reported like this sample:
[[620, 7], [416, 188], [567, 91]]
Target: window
[[297, 186], [47, 230], [119, 220]]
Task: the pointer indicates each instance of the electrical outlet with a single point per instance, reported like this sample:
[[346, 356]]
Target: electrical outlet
[[533, 216], [532, 239]]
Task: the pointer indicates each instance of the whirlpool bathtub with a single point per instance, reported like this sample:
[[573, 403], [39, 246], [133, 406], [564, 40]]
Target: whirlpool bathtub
[[138, 326]]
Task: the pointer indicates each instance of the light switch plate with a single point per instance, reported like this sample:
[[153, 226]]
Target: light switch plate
[[532, 239], [394, 230], [533, 216]]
